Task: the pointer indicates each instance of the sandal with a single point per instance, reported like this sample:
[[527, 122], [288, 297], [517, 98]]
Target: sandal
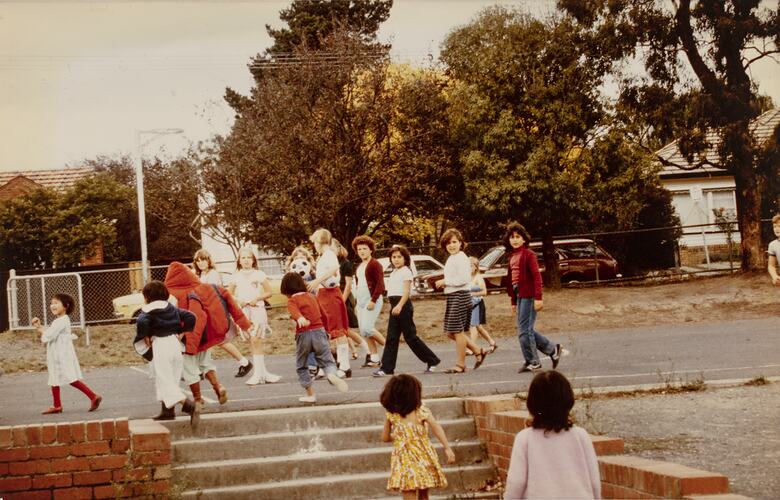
[[480, 358], [493, 348], [456, 369]]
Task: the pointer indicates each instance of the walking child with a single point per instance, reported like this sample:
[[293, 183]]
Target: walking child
[[61, 360], [310, 335], [250, 287], [457, 289], [478, 313], [370, 284], [524, 286], [414, 464], [162, 326], [553, 458], [401, 320], [774, 252], [347, 271], [207, 273]]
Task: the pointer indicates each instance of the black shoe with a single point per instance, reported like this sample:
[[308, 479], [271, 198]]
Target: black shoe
[[366, 362], [556, 355], [165, 413], [190, 407], [244, 370], [347, 373]]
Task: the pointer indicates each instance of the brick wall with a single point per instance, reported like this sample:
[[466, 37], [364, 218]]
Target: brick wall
[[499, 418], [73, 460]]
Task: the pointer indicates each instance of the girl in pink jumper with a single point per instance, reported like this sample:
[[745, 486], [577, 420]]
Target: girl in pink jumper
[[552, 458]]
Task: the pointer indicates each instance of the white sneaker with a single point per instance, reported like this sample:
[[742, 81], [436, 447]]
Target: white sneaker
[[255, 379], [308, 399], [338, 382], [270, 378]]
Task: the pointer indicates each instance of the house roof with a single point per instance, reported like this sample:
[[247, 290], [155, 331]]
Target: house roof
[[762, 128], [59, 179]]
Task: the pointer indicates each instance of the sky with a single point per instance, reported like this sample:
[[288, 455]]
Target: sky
[[78, 79]]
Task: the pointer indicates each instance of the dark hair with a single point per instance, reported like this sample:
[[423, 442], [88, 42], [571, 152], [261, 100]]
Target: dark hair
[[402, 394], [66, 300], [155, 290], [292, 283], [447, 236], [515, 228], [404, 253], [550, 399], [364, 240]]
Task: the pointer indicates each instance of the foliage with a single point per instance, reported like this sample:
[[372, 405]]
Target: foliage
[[698, 54], [25, 225]]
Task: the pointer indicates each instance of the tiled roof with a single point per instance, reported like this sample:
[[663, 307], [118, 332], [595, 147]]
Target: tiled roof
[[59, 179], [762, 129]]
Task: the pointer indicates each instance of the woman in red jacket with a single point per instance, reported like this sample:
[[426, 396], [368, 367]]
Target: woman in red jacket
[[370, 284], [524, 286]]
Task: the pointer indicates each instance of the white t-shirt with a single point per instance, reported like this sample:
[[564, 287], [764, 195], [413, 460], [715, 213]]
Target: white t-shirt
[[327, 262], [457, 273], [211, 277], [774, 248], [395, 283], [249, 284]]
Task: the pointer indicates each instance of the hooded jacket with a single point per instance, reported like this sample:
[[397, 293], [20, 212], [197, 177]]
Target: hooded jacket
[[203, 301], [161, 319]]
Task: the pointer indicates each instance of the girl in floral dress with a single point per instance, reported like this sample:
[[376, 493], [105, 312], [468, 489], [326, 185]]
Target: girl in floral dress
[[414, 464]]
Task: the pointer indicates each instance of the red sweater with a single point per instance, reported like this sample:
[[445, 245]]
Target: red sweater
[[375, 278], [305, 305], [524, 272]]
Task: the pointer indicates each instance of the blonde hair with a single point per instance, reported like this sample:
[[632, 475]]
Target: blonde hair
[[339, 249], [474, 265], [202, 254], [321, 237], [251, 252]]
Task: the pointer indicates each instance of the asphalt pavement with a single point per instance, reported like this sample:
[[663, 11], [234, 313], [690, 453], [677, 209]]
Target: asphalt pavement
[[608, 358]]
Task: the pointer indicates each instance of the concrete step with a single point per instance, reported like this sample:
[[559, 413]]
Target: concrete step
[[461, 481], [299, 442], [300, 419], [225, 473]]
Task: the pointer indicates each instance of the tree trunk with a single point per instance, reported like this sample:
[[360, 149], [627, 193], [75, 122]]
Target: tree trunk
[[749, 188], [552, 277]]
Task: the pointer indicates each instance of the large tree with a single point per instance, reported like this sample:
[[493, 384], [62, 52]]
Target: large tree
[[698, 54]]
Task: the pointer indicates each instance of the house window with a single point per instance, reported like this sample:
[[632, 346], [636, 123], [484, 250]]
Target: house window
[[725, 199]]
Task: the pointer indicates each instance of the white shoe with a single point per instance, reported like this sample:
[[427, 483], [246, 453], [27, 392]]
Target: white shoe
[[308, 399], [338, 382], [255, 379], [270, 378]]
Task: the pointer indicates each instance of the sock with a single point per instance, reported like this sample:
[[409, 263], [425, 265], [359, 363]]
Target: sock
[[243, 361], [83, 388], [259, 362], [375, 357], [342, 354], [55, 394]]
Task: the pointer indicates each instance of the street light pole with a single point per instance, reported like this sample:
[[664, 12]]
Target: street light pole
[[139, 188]]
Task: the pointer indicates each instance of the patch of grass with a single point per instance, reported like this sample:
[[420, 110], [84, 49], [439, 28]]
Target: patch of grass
[[759, 380]]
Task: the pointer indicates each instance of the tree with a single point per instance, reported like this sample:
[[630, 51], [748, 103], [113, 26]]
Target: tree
[[26, 232], [716, 42]]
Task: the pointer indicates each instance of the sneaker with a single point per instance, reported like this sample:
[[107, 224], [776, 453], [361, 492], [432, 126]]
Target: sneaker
[[556, 356], [255, 379], [244, 370], [271, 378], [337, 382], [308, 399], [529, 367], [367, 362], [380, 373], [344, 374], [313, 372]]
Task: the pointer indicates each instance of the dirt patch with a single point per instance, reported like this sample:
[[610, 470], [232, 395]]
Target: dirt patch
[[575, 311]]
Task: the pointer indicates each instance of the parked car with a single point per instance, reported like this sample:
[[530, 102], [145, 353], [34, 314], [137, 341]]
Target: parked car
[[578, 260], [422, 265]]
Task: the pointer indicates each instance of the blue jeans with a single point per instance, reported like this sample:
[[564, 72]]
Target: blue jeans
[[530, 339], [314, 342]]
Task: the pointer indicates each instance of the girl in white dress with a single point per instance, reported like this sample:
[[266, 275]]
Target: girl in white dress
[[61, 360]]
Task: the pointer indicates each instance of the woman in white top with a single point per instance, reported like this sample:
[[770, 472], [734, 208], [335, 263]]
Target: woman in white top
[[457, 286], [207, 273]]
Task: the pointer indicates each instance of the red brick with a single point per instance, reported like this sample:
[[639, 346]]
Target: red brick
[[48, 433], [69, 464], [161, 486], [152, 458], [107, 429], [485, 405], [3, 469], [73, 494], [113, 491], [56, 451], [29, 467], [6, 437], [63, 433], [120, 445], [89, 449], [52, 481], [20, 483], [93, 431], [132, 475], [122, 428], [31, 495], [19, 433], [615, 491], [108, 462], [14, 454], [151, 441], [91, 477], [78, 432], [605, 445], [34, 435]]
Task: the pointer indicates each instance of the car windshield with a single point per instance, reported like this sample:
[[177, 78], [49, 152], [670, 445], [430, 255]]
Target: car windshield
[[425, 265], [490, 257]]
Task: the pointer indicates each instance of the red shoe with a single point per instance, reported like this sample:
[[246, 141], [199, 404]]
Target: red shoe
[[51, 410], [95, 403]]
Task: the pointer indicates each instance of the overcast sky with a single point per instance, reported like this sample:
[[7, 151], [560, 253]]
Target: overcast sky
[[77, 79]]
